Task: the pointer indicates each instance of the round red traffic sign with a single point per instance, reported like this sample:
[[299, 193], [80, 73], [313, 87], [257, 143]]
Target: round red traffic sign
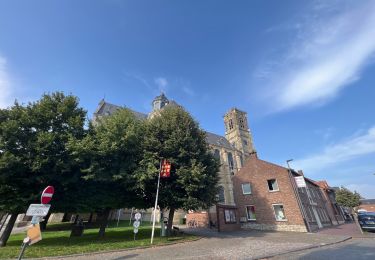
[[47, 194]]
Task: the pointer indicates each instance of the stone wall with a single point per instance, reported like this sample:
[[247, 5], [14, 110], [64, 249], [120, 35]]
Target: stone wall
[[279, 227]]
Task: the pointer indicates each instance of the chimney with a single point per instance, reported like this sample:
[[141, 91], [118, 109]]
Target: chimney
[[300, 172]]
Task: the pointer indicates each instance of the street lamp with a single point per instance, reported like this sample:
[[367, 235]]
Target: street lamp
[[287, 162]]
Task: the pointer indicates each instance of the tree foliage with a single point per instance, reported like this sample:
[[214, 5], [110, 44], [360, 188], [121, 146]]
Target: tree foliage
[[175, 136], [108, 156], [346, 198], [34, 154]]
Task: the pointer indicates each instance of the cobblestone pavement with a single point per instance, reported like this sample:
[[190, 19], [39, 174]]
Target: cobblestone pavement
[[359, 248], [234, 245]]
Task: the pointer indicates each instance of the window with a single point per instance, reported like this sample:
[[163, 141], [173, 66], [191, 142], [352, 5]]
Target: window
[[279, 212], [272, 185], [229, 216], [221, 195], [217, 154], [241, 160], [245, 142], [250, 212], [242, 123], [230, 162], [230, 124], [246, 188]]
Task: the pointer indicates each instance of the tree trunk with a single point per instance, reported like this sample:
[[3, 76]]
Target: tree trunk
[[90, 218], [104, 221], [76, 219], [3, 220], [8, 229], [170, 221], [43, 224]]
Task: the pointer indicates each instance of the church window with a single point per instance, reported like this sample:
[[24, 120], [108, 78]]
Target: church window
[[220, 195], [241, 160], [217, 154], [230, 124], [230, 162], [242, 125]]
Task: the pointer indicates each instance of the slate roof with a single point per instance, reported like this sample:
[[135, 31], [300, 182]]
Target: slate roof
[[106, 108], [218, 140], [367, 201]]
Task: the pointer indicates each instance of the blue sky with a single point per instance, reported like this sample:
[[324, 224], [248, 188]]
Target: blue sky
[[304, 72]]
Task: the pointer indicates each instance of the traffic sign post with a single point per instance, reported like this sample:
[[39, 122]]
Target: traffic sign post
[[37, 211], [136, 225], [47, 194]]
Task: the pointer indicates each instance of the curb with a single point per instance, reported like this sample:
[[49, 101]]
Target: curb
[[302, 249], [114, 250]]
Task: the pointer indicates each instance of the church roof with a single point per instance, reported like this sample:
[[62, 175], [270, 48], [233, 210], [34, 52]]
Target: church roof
[[106, 108], [218, 140]]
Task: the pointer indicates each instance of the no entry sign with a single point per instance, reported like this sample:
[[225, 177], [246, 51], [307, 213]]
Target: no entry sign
[[47, 194]]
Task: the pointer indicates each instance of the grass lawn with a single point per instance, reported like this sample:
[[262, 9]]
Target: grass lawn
[[56, 241]]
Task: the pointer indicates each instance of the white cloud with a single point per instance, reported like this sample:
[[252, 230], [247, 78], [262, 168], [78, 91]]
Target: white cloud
[[339, 153], [6, 98], [328, 52], [162, 83]]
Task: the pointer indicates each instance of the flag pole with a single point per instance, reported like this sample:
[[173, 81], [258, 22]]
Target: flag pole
[[156, 204]]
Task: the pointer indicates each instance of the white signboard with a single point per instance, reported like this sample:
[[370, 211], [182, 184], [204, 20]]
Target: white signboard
[[136, 224], [137, 216], [300, 181], [39, 210]]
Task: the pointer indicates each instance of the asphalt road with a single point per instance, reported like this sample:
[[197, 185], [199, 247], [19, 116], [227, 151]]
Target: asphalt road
[[361, 248]]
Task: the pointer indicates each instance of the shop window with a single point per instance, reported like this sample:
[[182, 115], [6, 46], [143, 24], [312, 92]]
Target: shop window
[[250, 212], [279, 212], [246, 188], [229, 216], [272, 185]]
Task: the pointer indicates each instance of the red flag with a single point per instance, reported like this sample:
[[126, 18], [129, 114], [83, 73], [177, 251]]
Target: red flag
[[165, 171]]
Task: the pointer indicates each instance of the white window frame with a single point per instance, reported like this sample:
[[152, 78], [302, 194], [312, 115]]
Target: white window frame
[[274, 212], [250, 219], [278, 187], [243, 192]]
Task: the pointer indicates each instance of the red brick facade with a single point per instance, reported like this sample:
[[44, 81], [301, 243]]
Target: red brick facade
[[275, 201], [257, 172]]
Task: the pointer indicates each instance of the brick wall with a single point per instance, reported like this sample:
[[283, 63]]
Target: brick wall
[[222, 224], [201, 218], [368, 207], [257, 172]]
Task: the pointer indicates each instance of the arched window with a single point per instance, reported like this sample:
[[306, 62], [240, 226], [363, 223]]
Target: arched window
[[230, 162], [217, 154], [220, 195]]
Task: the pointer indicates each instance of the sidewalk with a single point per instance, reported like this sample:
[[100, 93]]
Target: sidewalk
[[348, 229], [225, 245]]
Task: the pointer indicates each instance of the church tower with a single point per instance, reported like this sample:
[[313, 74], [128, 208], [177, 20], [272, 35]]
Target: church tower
[[237, 131]]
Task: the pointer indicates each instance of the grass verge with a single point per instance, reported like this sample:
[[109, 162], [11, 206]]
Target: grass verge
[[56, 242]]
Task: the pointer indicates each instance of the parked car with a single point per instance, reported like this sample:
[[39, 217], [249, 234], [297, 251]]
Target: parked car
[[367, 220]]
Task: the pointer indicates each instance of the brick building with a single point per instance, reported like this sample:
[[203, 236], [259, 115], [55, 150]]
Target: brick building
[[267, 198], [334, 210], [367, 205]]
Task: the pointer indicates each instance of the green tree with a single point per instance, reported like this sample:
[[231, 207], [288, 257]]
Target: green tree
[[175, 136], [33, 153], [346, 198], [108, 156]]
